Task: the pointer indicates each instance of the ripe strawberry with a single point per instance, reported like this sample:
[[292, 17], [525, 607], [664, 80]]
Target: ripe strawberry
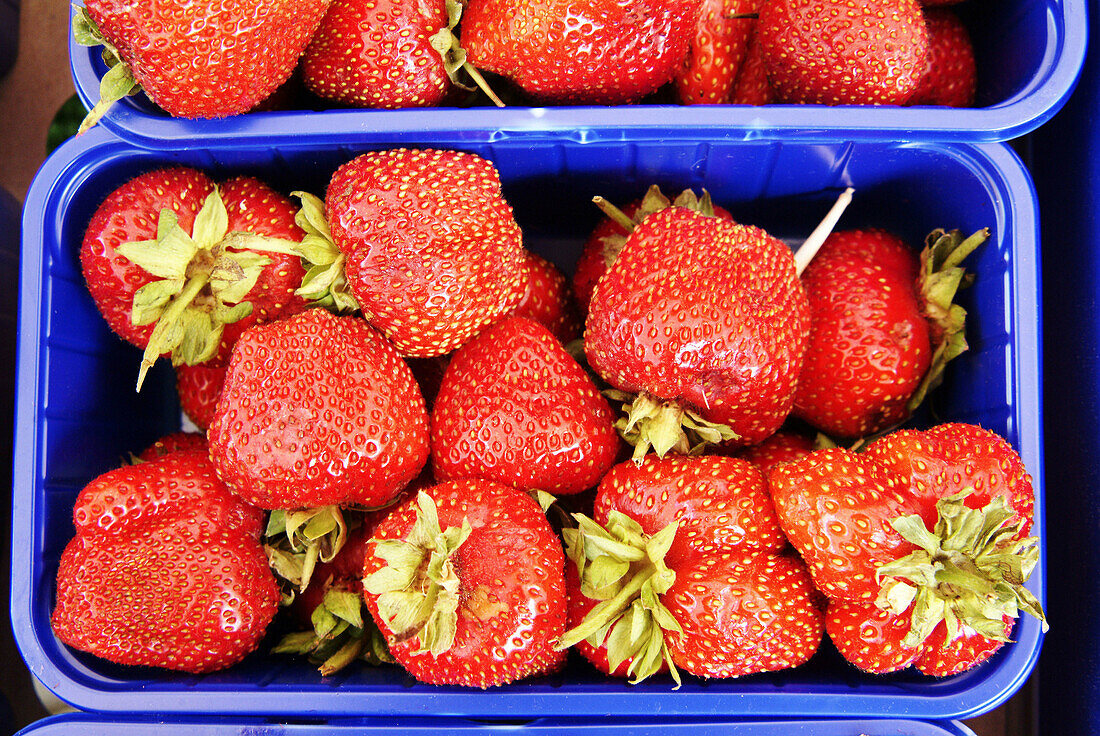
[[378, 53], [318, 410], [516, 408], [175, 442], [198, 388], [706, 320], [608, 237], [179, 265], [928, 528], [781, 447], [697, 541], [753, 86], [165, 570], [950, 75], [717, 52], [204, 59], [489, 608], [838, 52], [433, 254], [875, 349], [547, 299], [608, 53]]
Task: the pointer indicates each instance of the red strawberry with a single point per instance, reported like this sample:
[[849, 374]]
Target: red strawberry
[[175, 442], [166, 569], [930, 529], [607, 239], [178, 265], [318, 410], [548, 299], [198, 387], [491, 605], [606, 53], [781, 447], [753, 86], [204, 59], [874, 348], [839, 52], [433, 252], [378, 53], [516, 408], [950, 75], [717, 52], [697, 540], [706, 320]]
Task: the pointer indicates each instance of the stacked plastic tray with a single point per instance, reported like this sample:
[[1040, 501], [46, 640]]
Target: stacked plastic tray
[[914, 169]]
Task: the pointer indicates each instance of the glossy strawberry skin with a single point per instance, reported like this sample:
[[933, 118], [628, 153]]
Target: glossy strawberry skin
[[753, 86], [166, 569], [434, 254], [548, 299], [950, 75], [836, 52], [781, 447], [514, 407], [717, 52], [706, 312], [870, 345], [130, 214], [512, 587], [211, 58], [578, 51], [318, 410], [836, 508], [176, 442], [727, 551], [198, 388], [376, 53]]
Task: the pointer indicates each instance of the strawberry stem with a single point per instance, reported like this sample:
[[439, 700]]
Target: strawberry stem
[[812, 244]]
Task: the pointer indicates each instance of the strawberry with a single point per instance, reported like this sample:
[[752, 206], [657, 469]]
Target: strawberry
[[548, 299], [205, 59], [179, 265], [165, 570], [489, 607], [706, 321], [608, 237], [516, 408], [753, 86], [882, 328], [920, 542], [782, 447], [318, 410], [378, 53], [175, 442], [433, 253], [838, 52], [950, 74], [687, 558], [608, 53], [717, 52], [198, 388]]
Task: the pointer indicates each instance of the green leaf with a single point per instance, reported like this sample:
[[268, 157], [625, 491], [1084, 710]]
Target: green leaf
[[211, 222]]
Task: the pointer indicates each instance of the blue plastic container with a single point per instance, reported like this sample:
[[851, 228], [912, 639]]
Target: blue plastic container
[[1029, 54], [1066, 157], [77, 412], [84, 725]]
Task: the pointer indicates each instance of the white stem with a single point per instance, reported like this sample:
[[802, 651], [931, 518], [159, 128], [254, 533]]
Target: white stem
[[812, 244]]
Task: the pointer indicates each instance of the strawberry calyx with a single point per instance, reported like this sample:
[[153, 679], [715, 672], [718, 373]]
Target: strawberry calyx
[[969, 570], [340, 635], [117, 83], [298, 539], [941, 277], [665, 426], [654, 200], [201, 285], [624, 568], [418, 588], [325, 283], [446, 42]]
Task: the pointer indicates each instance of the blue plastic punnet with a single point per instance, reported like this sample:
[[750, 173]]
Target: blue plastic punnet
[[1029, 54], [91, 725], [78, 415]]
